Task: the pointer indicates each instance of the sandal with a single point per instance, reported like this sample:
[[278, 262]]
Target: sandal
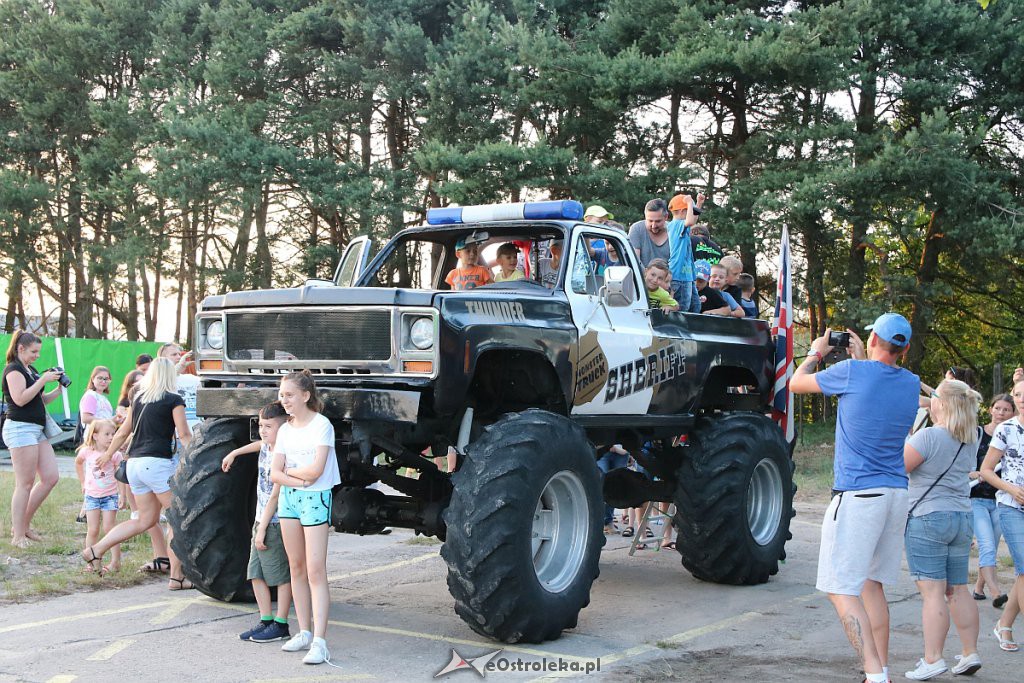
[[181, 584], [1005, 644], [1000, 600], [671, 545], [641, 546], [158, 565], [627, 532], [977, 596], [90, 560]]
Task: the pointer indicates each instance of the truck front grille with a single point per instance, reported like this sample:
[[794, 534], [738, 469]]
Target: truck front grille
[[341, 335]]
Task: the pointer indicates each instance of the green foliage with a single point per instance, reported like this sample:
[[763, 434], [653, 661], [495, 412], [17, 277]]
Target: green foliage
[[243, 143]]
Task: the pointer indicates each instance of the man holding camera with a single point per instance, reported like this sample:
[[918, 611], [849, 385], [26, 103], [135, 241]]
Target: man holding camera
[[862, 533]]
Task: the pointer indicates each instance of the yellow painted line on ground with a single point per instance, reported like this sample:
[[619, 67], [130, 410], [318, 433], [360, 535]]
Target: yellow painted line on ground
[[110, 650], [306, 679], [87, 615], [417, 634], [62, 678], [176, 608], [385, 567]]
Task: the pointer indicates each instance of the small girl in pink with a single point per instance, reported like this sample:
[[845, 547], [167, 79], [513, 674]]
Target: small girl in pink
[[99, 486]]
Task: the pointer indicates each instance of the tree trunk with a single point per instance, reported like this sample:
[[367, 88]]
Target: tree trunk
[[921, 310], [865, 123]]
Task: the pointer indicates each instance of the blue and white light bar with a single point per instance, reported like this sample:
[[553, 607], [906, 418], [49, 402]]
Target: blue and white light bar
[[567, 209]]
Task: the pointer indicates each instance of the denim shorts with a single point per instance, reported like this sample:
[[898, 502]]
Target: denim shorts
[[311, 508], [21, 434], [939, 546], [150, 475], [1011, 520], [106, 503]]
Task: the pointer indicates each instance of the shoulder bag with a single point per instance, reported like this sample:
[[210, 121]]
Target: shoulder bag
[[121, 473], [910, 512]]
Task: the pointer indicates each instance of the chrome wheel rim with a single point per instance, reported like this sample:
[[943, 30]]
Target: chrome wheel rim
[[764, 502], [561, 525]]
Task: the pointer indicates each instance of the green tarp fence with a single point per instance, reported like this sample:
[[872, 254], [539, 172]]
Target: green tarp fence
[[78, 357]]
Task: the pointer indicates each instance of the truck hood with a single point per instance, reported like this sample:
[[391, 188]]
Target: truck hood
[[319, 296]]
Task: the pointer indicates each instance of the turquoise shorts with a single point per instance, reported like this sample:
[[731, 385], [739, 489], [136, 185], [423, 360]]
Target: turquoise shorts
[[311, 508]]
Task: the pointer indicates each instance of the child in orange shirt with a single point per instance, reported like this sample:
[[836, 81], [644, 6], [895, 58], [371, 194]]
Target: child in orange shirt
[[468, 274]]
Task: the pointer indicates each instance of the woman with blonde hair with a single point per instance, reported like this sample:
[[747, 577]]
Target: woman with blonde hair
[[24, 433], [155, 414], [939, 529]]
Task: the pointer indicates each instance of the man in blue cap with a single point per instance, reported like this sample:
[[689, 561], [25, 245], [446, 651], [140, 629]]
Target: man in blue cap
[[862, 533]]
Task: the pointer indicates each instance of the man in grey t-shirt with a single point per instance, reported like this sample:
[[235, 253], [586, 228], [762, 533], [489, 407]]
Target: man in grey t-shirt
[[649, 237]]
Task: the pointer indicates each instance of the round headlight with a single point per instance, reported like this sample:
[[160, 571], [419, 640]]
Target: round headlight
[[421, 333], [215, 335]]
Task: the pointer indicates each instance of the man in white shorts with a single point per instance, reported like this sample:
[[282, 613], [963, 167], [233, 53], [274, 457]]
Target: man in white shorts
[[862, 533]]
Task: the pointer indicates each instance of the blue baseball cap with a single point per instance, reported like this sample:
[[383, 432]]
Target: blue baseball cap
[[702, 269], [893, 328]]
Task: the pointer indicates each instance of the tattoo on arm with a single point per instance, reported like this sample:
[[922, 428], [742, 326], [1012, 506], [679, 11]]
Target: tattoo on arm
[[854, 634]]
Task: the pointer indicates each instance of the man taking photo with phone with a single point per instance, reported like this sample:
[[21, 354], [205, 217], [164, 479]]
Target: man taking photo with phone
[[862, 533]]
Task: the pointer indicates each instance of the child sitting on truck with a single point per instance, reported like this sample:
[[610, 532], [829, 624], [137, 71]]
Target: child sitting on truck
[[468, 274], [268, 561], [657, 275], [508, 263]]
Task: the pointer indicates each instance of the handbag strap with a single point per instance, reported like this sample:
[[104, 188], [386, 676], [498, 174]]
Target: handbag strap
[[131, 437], [910, 512]]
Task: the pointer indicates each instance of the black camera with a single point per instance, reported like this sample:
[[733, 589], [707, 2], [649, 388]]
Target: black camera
[[63, 380], [840, 340]]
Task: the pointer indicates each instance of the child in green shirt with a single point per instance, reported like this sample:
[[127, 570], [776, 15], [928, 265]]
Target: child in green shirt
[[655, 277]]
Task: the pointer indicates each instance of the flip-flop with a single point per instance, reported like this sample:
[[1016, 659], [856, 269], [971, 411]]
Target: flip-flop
[[978, 596], [671, 545], [627, 532], [1000, 600]]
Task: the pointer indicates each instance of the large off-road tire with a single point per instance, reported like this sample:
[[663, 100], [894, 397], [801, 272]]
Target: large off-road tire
[[212, 511], [525, 528], [734, 499]]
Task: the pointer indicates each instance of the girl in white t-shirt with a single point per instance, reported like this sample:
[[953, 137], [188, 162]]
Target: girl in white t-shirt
[[306, 467]]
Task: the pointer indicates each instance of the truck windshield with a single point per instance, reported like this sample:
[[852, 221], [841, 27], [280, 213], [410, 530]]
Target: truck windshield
[[513, 260]]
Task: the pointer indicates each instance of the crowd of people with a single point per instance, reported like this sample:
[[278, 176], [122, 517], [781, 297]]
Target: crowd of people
[[917, 494], [149, 427], [928, 493], [684, 269]]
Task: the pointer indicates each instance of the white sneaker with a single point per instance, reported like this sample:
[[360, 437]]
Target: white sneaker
[[300, 641], [925, 671], [318, 652], [967, 666]]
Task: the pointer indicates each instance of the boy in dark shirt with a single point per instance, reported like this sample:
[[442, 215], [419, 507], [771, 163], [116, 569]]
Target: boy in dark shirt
[[746, 285], [711, 300]]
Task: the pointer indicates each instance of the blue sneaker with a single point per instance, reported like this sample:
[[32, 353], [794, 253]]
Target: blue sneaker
[[260, 625], [275, 630]]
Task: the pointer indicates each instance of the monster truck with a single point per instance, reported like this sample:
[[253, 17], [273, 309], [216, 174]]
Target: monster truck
[[531, 381]]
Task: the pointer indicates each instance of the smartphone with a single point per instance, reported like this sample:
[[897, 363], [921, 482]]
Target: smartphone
[[840, 340]]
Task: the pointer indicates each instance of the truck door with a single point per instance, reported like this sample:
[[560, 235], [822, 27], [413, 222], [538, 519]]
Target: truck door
[[611, 371]]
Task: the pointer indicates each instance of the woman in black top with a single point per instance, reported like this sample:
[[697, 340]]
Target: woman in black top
[[983, 505], [25, 433], [156, 413]]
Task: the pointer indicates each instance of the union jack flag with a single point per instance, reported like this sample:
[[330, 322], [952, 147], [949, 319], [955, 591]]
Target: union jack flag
[[782, 330]]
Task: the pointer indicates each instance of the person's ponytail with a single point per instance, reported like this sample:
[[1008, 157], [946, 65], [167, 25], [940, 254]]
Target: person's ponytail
[[20, 338]]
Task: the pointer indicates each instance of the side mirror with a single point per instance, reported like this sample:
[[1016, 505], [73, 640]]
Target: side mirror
[[318, 282], [619, 286]]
